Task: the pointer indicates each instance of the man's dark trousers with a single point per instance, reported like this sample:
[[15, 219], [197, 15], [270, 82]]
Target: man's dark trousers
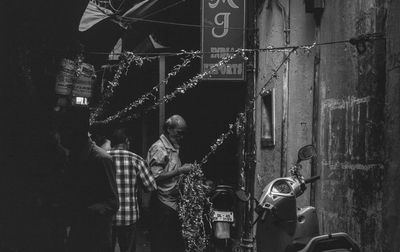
[[166, 233]]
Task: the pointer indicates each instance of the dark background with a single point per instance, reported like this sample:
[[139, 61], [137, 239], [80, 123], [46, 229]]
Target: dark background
[[35, 36]]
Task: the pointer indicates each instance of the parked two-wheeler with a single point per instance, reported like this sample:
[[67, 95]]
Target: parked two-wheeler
[[283, 227], [222, 198]]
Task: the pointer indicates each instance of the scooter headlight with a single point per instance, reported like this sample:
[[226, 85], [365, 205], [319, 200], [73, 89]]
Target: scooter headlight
[[281, 187]]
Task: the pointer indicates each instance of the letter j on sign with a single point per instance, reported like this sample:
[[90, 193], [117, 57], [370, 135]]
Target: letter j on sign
[[223, 32]]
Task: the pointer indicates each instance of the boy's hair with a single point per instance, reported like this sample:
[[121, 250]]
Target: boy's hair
[[118, 136]]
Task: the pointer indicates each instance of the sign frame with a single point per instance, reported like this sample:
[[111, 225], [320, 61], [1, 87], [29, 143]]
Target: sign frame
[[205, 51]]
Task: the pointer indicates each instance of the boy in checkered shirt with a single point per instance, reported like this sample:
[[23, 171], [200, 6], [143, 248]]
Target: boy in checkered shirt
[[129, 168]]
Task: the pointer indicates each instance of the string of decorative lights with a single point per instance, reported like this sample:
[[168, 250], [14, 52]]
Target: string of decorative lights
[[193, 82], [125, 61], [145, 97], [238, 125]]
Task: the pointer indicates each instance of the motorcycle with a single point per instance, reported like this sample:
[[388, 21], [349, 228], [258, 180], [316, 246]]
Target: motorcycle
[[282, 226], [222, 199]]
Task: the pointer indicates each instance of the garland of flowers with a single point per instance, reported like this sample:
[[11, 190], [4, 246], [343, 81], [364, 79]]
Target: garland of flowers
[[149, 95], [193, 82], [125, 61], [194, 206], [238, 124]]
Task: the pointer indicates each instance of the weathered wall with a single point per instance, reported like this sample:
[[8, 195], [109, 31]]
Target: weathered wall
[[284, 23], [300, 102], [350, 123], [391, 196], [293, 89], [343, 93], [270, 25]]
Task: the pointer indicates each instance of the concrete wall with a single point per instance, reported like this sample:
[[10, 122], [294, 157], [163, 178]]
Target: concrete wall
[[350, 123], [335, 98], [301, 79], [391, 196], [293, 88], [270, 25]]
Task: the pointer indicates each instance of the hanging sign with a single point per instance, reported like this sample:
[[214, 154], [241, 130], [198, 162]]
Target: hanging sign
[[74, 79], [223, 32], [84, 82], [66, 77]]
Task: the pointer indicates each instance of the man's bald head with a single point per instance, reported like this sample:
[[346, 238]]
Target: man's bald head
[[174, 128], [174, 122]]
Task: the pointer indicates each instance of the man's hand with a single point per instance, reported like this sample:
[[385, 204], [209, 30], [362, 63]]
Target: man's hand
[[186, 168]]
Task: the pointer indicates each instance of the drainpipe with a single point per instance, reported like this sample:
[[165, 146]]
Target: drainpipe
[[315, 114], [286, 20], [247, 239], [285, 88]]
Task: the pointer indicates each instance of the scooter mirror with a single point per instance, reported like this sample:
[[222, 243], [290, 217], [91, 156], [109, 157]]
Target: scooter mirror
[[306, 152], [242, 195]]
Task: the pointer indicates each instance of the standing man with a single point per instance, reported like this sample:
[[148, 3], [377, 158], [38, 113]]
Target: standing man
[[93, 193], [129, 167], [165, 164]]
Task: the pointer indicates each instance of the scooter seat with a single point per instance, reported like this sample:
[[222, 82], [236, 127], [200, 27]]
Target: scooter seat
[[336, 242]]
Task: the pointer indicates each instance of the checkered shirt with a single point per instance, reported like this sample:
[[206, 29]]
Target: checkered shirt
[[128, 167]]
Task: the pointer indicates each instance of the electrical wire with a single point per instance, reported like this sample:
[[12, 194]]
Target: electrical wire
[[179, 24], [373, 37], [120, 5], [165, 8]]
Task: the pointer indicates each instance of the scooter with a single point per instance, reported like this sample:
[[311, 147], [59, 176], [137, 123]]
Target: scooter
[[283, 227]]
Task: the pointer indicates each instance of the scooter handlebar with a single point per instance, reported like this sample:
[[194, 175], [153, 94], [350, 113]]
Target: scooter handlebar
[[312, 179]]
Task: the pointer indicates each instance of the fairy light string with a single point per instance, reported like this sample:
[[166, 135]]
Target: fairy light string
[[192, 83], [150, 95], [123, 66], [186, 86], [238, 125]]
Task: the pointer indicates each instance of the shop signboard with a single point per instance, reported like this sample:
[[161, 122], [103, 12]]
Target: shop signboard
[[223, 32], [84, 82], [66, 77], [74, 80]]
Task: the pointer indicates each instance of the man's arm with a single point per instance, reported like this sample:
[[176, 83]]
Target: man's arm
[[157, 159], [145, 175], [186, 168]]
